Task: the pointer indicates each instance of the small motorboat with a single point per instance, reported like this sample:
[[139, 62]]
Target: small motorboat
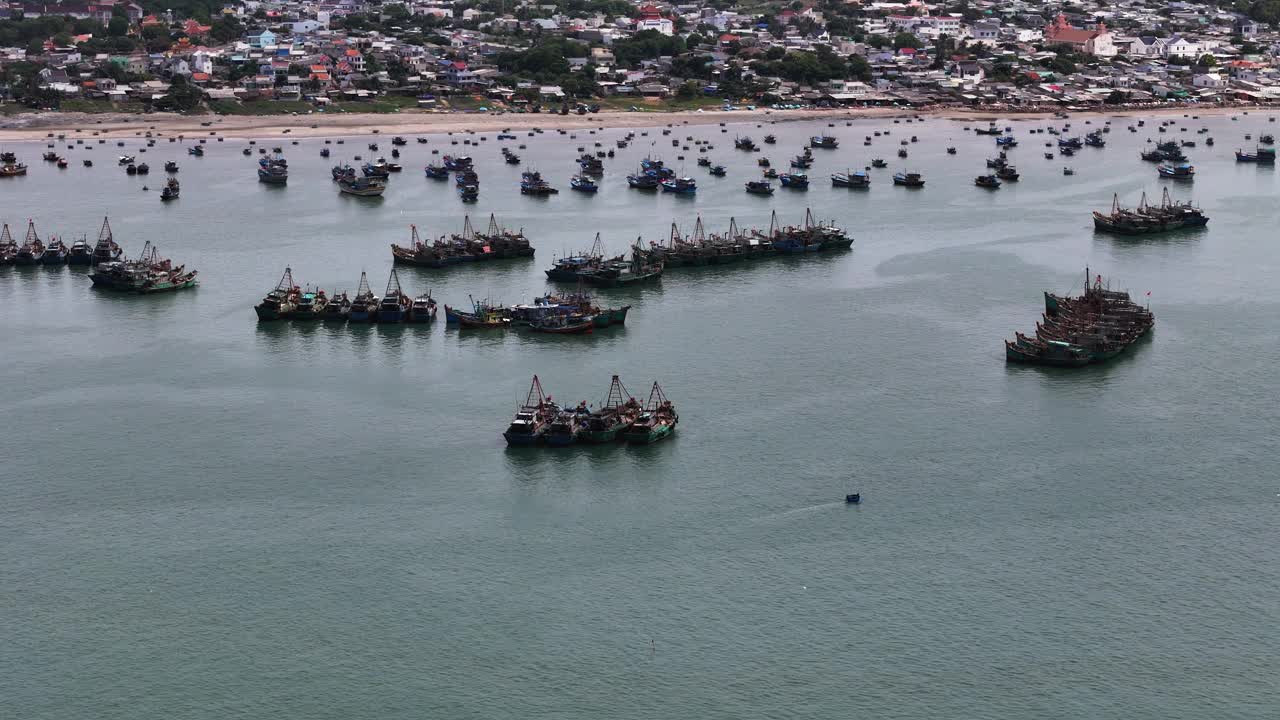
[[853, 498], [1068, 171], [987, 181]]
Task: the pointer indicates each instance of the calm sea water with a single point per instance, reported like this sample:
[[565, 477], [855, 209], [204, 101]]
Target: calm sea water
[[203, 517]]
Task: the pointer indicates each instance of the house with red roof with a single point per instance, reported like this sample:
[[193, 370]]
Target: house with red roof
[[1097, 40]]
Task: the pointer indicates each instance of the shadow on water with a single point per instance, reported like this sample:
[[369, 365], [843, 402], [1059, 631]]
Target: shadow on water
[[1184, 236]]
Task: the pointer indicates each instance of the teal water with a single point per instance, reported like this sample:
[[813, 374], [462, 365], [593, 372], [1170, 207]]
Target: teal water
[[207, 518]]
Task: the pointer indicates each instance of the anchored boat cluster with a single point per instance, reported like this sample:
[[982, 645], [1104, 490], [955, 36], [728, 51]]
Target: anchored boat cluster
[[288, 301], [1146, 219], [568, 314], [148, 274], [1092, 328], [497, 243], [540, 421], [702, 248]]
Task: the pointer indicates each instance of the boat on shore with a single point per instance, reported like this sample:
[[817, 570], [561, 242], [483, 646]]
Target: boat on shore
[[1092, 328], [657, 421]]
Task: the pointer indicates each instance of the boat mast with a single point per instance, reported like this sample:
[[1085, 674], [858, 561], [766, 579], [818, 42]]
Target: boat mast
[[656, 398], [773, 225], [5, 237], [699, 234], [617, 396], [597, 248], [393, 285], [414, 239], [363, 290], [467, 232], [494, 230], [32, 236], [535, 392], [286, 281], [808, 218], [734, 232]]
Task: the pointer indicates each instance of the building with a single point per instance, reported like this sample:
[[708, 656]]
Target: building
[[1209, 80], [1095, 41], [651, 19]]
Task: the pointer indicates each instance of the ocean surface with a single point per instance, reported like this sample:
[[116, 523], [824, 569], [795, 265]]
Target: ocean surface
[[203, 517]]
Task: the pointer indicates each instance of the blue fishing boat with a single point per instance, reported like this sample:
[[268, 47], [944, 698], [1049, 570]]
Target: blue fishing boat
[[457, 163], [797, 181], [531, 418], [680, 185], [582, 183], [395, 304], [1182, 171], [437, 172], [364, 308], [643, 181]]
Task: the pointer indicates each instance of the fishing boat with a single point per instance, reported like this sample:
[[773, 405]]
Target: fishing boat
[[171, 167], [987, 181], [1006, 142], [826, 142], [376, 170], [31, 251], [680, 185], [364, 308], [565, 426], [8, 246], [745, 143], [804, 162], [311, 305], [532, 183], [1183, 171], [282, 301], [878, 163], [644, 181], [342, 172], [718, 171], [1267, 139], [908, 179], [13, 169], [62, 163], [1073, 143], [770, 139], [1077, 331], [483, 316], [1147, 219], [399, 141], [148, 274], [273, 171], [656, 421], [902, 153], [324, 152], [1007, 172], [590, 165], [452, 163], [126, 159], [395, 304], [951, 150], [770, 173], [1262, 156], [796, 181], [338, 309], [510, 157], [621, 273], [858, 179], [759, 187], [55, 253], [618, 411], [170, 190], [532, 417], [362, 186], [469, 193], [105, 250], [562, 324], [1068, 170], [196, 150], [991, 130], [582, 183], [80, 252], [423, 310], [437, 172]]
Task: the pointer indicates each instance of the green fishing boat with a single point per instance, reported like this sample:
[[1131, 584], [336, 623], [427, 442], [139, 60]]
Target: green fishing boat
[[657, 421], [617, 413]]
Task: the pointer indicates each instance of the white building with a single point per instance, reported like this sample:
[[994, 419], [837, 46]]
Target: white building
[[1209, 80]]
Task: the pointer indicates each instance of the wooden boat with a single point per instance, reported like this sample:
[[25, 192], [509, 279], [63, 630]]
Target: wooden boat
[[281, 302], [680, 185], [311, 305], [437, 172], [170, 191], [532, 183], [759, 187], [531, 418], [55, 253], [1147, 219], [1007, 172], [1092, 328], [171, 167], [565, 426], [376, 170], [1184, 171], [745, 143], [395, 304], [13, 169], [796, 181], [618, 411], [80, 252], [482, 316], [987, 181], [31, 252], [423, 310], [273, 171], [558, 324], [364, 308], [857, 179], [362, 187], [338, 309], [8, 247], [584, 184], [878, 163], [620, 273], [824, 141], [658, 420], [908, 179], [105, 250]]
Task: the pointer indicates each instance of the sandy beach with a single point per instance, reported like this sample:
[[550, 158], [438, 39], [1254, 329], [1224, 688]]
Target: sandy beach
[[37, 126]]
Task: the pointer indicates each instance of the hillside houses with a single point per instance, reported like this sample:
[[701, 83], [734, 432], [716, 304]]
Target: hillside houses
[[913, 53]]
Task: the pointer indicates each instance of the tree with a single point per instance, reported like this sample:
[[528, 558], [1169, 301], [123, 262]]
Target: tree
[[226, 29], [1207, 60], [62, 40], [1117, 97], [905, 40], [119, 26], [35, 47], [688, 90], [859, 68]]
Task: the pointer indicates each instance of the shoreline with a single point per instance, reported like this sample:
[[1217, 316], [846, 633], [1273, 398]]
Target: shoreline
[[39, 126]]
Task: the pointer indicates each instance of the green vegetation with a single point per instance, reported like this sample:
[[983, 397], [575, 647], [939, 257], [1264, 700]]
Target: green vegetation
[[101, 106], [260, 107]]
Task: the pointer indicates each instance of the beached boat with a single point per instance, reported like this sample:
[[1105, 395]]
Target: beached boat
[[658, 420], [364, 308], [532, 417], [282, 301]]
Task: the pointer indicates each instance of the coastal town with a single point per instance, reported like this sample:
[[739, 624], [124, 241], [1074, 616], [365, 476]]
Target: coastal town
[[579, 56]]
